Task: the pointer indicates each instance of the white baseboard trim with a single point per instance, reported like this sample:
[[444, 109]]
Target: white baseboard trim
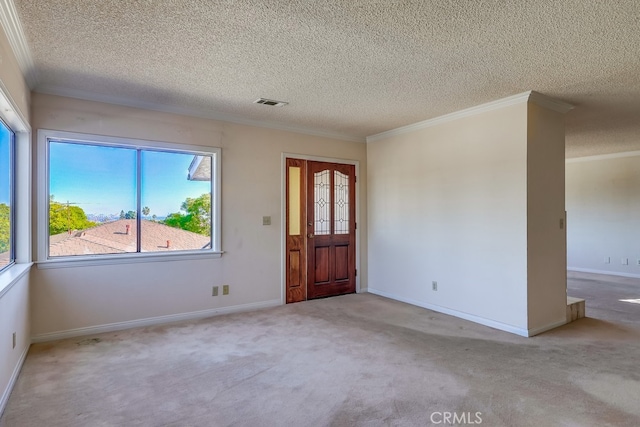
[[12, 381], [477, 319], [553, 325], [608, 273], [194, 315]]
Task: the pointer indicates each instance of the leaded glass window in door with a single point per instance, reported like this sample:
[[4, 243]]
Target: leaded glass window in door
[[322, 202], [341, 203], [331, 190]]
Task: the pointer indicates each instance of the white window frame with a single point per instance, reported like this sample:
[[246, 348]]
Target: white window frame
[[12, 197], [44, 261], [13, 118]]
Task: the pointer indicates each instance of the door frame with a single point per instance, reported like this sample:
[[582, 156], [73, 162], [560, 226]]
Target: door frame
[[283, 215]]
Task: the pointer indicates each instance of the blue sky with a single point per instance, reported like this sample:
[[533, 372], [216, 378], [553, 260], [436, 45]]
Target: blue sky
[[4, 164], [102, 180]]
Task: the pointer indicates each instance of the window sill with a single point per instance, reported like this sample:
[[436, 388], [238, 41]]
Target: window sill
[[12, 275], [85, 261]]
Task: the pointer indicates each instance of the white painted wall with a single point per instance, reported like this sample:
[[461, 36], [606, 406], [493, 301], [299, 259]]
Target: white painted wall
[[475, 204], [14, 318], [449, 204], [14, 294], [11, 79], [546, 239], [82, 299], [603, 214]]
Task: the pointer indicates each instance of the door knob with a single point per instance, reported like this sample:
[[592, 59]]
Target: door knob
[[310, 235]]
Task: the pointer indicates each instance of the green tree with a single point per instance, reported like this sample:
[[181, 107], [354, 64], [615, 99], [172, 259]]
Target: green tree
[[63, 217], [4, 227], [130, 215], [122, 215], [146, 210], [197, 216]]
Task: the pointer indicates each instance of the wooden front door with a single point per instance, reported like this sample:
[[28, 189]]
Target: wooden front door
[[321, 229], [330, 229]]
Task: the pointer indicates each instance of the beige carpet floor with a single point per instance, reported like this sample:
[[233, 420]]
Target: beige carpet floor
[[355, 360]]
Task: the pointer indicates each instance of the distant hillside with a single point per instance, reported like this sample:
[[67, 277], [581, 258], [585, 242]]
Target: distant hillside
[[102, 218]]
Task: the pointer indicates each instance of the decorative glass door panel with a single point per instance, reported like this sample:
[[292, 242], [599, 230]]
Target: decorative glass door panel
[[323, 199], [341, 203], [322, 202]]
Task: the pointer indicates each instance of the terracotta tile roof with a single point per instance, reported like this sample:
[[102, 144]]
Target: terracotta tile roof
[[112, 237], [4, 258]]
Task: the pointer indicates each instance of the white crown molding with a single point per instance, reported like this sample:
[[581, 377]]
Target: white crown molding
[[467, 112], [13, 29], [188, 111], [13, 116], [536, 97], [550, 103], [603, 157]]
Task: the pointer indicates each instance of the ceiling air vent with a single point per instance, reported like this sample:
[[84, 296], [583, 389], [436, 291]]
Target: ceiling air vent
[[270, 102]]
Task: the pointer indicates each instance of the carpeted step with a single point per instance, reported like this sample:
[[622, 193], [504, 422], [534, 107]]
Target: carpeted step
[[575, 309]]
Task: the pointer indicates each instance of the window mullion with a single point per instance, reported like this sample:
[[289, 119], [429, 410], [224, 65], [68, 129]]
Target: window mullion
[[138, 200], [12, 198], [8, 201]]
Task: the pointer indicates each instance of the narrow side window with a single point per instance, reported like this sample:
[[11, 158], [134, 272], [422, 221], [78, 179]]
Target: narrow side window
[[7, 192]]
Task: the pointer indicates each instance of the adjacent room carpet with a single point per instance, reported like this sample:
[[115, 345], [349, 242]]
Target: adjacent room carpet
[[355, 360]]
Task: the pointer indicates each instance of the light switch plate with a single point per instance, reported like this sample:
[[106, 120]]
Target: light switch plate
[[266, 220]]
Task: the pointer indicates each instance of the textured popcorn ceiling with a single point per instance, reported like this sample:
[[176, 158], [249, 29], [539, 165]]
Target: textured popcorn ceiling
[[352, 68]]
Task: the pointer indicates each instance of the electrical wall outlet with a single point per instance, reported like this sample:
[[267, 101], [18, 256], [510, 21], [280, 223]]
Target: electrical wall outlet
[[14, 340], [638, 261], [434, 286], [214, 292], [266, 220], [607, 260], [225, 289], [625, 261]]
